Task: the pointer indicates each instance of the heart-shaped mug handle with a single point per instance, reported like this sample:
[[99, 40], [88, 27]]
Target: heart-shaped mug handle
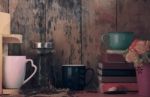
[[35, 70]]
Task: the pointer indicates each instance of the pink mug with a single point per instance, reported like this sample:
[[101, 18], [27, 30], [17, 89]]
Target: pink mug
[[14, 70]]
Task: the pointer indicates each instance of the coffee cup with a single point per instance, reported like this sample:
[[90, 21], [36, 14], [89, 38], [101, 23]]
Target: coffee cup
[[14, 70], [74, 76]]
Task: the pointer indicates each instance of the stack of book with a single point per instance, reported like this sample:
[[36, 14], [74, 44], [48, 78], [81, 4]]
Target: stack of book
[[115, 72]]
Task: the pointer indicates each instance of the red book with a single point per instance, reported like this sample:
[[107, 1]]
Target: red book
[[113, 58], [104, 87]]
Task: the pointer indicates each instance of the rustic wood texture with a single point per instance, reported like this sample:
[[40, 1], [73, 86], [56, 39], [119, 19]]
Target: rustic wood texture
[[26, 19], [1, 62], [3, 8], [133, 15], [63, 27], [98, 17], [4, 5]]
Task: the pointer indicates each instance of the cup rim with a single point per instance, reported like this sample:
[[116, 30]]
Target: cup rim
[[73, 65]]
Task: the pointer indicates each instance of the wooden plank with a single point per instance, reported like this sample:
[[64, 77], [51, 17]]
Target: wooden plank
[[7, 39], [11, 91], [133, 15], [63, 27], [26, 19], [98, 17], [4, 23], [1, 63], [12, 38], [4, 6]]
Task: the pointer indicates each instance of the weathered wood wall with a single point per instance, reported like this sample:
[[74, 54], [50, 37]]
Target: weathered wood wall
[[75, 26], [48, 20], [4, 5], [98, 17], [133, 15]]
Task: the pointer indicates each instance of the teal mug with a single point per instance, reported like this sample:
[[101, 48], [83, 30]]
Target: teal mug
[[74, 76], [117, 40]]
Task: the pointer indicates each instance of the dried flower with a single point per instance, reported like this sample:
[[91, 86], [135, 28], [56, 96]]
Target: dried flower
[[138, 52]]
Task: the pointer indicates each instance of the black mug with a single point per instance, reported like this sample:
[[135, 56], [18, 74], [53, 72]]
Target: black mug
[[74, 76]]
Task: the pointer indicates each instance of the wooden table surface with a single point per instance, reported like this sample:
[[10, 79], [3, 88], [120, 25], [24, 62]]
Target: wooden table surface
[[107, 95], [78, 94]]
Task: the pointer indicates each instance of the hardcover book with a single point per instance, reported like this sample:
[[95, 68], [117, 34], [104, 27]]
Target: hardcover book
[[130, 87]]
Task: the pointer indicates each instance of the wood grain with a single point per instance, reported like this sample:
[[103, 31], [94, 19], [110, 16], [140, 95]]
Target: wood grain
[[28, 20], [1, 62], [3, 8], [38, 21], [98, 18], [133, 15], [4, 5], [63, 27]]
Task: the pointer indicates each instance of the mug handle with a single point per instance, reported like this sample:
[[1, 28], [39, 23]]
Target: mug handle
[[92, 75], [103, 37], [35, 69]]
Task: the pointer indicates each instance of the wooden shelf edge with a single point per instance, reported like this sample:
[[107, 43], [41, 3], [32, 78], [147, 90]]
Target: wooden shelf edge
[[12, 38], [1, 62], [10, 91]]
